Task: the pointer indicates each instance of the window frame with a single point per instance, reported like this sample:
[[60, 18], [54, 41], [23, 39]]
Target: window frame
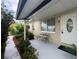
[[47, 26]]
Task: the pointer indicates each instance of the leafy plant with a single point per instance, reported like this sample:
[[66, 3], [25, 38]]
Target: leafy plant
[[16, 28], [26, 50], [30, 35]]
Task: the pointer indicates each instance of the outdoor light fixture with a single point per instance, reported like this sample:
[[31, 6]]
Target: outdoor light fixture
[[58, 18], [28, 7]]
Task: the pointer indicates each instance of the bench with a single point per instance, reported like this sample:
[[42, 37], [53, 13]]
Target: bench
[[43, 36]]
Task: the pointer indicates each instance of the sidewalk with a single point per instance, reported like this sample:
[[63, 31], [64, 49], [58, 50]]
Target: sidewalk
[[11, 51]]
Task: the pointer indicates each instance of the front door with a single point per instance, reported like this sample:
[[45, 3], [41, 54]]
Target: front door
[[69, 28]]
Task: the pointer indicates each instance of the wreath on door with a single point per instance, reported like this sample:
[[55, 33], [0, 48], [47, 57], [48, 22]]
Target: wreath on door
[[69, 25]]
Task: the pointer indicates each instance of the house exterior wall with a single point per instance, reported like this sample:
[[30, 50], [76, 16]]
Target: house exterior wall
[[56, 37], [36, 24], [37, 27]]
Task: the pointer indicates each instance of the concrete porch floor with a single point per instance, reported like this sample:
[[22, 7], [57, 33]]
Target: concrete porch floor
[[50, 51], [46, 50]]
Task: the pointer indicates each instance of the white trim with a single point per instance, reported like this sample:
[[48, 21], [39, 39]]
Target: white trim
[[24, 29], [50, 32]]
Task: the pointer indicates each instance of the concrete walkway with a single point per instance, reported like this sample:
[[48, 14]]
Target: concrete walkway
[[50, 51], [11, 51], [46, 50]]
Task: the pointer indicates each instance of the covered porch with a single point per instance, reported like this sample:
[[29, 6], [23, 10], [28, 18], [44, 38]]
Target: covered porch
[[55, 12]]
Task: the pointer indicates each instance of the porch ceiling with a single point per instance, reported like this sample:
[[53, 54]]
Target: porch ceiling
[[52, 8], [55, 7], [27, 7]]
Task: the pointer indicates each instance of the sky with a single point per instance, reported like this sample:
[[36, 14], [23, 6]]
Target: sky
[[11, 5]]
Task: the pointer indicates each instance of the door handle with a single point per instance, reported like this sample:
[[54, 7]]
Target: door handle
[[62, 32]]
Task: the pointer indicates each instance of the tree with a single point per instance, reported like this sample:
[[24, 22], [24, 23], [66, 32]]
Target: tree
[[6, 20]]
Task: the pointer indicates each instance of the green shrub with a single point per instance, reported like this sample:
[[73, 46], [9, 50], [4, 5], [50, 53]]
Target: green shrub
[[30, 35], [29, 53], [26, 50], [22, 45], [16, 29]]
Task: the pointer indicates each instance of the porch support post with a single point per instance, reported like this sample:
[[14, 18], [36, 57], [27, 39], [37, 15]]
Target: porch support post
[[24, 29]]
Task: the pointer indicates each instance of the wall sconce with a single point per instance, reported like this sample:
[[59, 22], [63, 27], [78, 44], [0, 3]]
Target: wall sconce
[[58, 18]]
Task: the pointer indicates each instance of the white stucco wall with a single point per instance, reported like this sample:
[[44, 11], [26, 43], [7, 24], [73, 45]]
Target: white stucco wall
[[58, 37], [69, 37]]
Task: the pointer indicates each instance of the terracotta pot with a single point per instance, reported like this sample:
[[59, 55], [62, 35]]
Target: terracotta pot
[[16, 41]]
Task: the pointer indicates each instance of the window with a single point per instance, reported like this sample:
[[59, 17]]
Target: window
[[44, 25], [51, 24], [48, 25]]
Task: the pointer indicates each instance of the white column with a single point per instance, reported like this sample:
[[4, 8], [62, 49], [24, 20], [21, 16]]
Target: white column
[[24, 29]]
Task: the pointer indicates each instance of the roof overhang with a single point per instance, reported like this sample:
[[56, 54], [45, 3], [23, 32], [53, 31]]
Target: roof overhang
[[26, 8], [55, 8], [33, 8]]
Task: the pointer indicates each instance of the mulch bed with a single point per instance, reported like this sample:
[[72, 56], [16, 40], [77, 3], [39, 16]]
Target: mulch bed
[[17, 43]]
